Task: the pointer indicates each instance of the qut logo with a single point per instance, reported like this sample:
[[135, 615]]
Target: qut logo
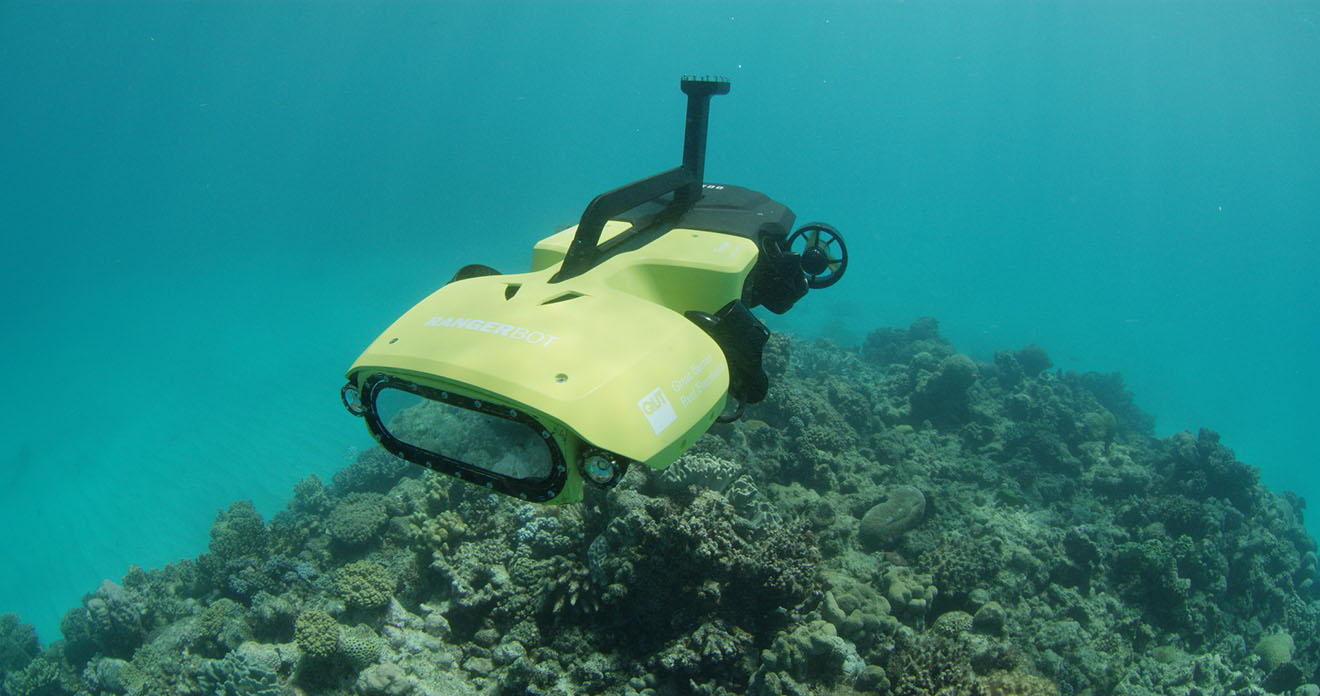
[[653, 402], [657, 409]]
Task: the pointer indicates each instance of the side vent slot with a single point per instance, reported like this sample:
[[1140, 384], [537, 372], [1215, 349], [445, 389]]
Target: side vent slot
[[510, 290], [563, 298]]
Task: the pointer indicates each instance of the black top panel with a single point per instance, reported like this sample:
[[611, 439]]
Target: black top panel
[[722, 208], [736, 210]]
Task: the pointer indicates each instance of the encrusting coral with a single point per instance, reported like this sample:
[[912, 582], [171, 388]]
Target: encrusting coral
[[894, 519]]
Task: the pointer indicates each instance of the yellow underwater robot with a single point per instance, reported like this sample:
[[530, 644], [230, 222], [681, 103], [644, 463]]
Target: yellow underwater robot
[[622, 343]]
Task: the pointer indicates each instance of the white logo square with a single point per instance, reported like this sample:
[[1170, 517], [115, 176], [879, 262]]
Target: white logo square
[[657, 409]]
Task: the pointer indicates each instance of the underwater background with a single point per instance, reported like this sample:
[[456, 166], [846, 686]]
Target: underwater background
[[209, 209]]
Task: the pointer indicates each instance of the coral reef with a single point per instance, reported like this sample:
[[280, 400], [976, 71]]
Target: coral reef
[[18, 644], [894, 519]]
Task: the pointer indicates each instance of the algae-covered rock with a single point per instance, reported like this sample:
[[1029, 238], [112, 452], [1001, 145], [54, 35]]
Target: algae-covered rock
[[989, 618], [902, 508], [385, 679]]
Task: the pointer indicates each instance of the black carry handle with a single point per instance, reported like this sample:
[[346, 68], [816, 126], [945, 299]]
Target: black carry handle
[[683, 181]]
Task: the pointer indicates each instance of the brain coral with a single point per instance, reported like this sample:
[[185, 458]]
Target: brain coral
[[902, 509], [359, 645]]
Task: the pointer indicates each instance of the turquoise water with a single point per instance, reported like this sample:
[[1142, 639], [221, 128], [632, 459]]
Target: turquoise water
[[209, 209]]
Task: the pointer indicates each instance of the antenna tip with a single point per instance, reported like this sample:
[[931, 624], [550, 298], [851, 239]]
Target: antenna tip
[[704, 84]]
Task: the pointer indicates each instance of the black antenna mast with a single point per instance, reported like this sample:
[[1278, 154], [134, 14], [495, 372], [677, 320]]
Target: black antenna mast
[[683, 181]]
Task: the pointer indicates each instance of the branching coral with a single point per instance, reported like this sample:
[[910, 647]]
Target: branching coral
[[238, 532]]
